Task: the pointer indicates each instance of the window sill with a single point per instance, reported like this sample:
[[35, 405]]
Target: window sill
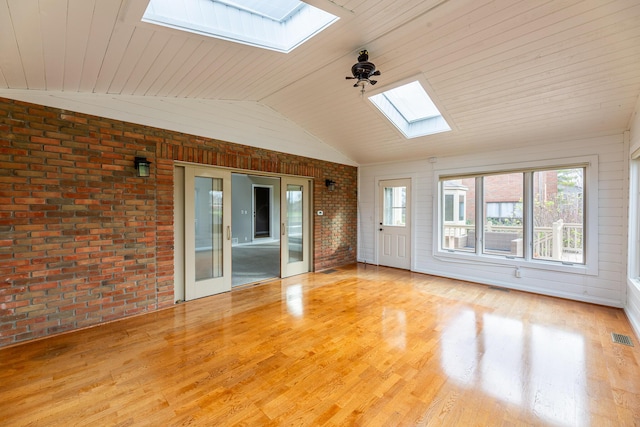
[[496, 260]]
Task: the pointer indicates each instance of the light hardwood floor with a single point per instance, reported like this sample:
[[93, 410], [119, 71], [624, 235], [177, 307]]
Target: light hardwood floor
[[360, 346]]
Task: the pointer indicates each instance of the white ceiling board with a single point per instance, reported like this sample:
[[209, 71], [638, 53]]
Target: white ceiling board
[[10, 60], [78, 28], [198, 69], [103, 21], [519, 39], [157, 43], [134, 53], [116, 49], [29, 40], [175, 64], [157, 67], [507, 72], [54, 43]]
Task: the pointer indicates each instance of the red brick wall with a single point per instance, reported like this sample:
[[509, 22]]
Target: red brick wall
[[509, 188], [83, 240]]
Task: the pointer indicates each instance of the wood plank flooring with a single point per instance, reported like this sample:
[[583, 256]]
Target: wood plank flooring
[[364, 345]]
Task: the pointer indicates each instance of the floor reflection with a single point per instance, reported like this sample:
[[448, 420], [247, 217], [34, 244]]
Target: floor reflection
[[490, 353], [295, 301], [557, 378], [460, 348], [394, 327], [501, 367]]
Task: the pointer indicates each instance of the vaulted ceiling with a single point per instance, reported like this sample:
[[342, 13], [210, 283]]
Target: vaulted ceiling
[[505, 73]]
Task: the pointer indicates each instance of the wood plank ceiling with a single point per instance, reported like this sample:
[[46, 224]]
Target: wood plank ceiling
[[506, 72]]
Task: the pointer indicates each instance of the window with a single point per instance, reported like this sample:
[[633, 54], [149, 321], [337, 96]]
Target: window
[[458, 219], [448, 207], [395, 206], [532, 215], [558, 215], [411, 110], [280, 25], [502, 212], [450, 210], [503, 229]]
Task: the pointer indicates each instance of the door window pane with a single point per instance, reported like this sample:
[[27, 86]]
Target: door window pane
[[395, 206], [294, 222], [558, 215], [208, 228], [503, 225]]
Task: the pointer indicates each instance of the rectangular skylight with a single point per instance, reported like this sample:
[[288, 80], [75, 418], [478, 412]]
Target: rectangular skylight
[[411, 110], [279, 25]]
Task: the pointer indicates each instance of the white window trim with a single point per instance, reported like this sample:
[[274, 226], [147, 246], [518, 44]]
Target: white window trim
[[633, 273], [591, 197]]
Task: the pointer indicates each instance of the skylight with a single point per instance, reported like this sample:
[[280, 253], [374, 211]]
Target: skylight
[[411, 110], [280, 25]]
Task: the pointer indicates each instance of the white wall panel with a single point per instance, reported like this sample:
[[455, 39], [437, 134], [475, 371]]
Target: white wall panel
[[606, 287]]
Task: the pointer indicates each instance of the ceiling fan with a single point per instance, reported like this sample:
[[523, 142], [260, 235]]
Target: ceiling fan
[[363, 70]]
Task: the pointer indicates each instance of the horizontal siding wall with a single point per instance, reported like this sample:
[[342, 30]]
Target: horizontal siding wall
[[83, 240], [607, 287]]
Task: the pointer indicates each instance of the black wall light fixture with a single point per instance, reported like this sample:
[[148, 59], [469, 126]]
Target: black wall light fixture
[[143, 166], [331, 185]]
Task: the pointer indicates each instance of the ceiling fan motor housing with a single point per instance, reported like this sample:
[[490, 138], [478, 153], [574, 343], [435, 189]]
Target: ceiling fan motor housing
[[364, 69]]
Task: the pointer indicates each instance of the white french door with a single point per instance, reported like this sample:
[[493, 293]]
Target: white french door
[[394, 242], [207, 233], [295, 236]]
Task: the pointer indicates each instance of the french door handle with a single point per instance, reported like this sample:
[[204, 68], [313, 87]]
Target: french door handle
[[283, 229], [228, 232]]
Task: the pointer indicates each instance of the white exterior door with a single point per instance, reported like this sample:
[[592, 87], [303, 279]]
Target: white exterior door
[[394, 231], [207, 231], [295, 236]]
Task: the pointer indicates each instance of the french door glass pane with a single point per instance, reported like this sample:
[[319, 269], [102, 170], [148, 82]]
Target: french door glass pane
[[503, 222], [395, 206], [558, 215], [208, 228], [294, 222]]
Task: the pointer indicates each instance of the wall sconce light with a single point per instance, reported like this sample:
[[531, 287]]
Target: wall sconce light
[[331, 185], [143, 166]]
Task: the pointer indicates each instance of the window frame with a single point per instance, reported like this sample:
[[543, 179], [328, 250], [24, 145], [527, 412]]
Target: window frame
[[590, 218], [633, 273]]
